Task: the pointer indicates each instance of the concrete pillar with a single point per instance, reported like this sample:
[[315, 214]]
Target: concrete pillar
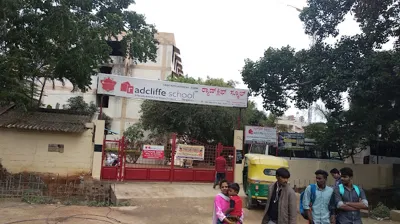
[[128, 63], [98, 147], [238, 143]]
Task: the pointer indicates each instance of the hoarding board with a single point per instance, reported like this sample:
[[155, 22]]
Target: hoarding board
[[260, 135], [130, 87]]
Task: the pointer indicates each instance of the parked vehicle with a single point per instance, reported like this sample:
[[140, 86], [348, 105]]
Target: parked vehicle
[[259, 172], [112, 159]]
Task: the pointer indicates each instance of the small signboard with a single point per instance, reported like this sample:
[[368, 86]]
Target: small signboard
[[192, 152], [260, 135], [153, 152], [55, 148]]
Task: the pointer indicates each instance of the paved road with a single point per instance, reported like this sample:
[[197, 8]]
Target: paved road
[[162, 211]]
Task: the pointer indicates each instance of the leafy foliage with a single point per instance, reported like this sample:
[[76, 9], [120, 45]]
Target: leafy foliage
[[204, 123], [134, 141], [134, 133], [378, 20], [64, 40], [78, 104], [315, 131], [381, 211], [354, 65]]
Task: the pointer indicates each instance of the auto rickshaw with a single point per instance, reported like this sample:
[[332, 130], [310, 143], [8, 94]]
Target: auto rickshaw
[[259, 172]]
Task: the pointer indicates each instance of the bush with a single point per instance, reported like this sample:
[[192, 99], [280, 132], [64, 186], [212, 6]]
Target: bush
[[381, 211]]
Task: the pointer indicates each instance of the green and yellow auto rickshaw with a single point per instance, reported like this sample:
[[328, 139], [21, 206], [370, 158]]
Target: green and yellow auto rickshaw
[[259, 172]]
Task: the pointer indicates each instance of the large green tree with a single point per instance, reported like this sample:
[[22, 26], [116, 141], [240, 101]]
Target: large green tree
[[203, 123], [64, 40], [354, 65]]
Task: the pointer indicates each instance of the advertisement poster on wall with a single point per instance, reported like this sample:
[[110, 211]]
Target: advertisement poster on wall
[[260, 135], [191, 152], [153, 152]]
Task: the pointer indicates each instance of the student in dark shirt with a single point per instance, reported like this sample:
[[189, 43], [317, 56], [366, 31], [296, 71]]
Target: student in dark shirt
[[350, 199], [281, 207]]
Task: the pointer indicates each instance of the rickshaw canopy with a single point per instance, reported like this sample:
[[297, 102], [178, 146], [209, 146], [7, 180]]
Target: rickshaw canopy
[[263, 167]]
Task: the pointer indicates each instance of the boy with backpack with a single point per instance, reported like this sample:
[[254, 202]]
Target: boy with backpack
[[350, 199], [317, 202]]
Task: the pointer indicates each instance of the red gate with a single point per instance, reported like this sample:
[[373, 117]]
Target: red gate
[[203, 170], [139, 168], [133, 166], [112, 160]]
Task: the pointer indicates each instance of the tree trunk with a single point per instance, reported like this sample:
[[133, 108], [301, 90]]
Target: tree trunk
[[32, 91], [352, 158], [41, 92]]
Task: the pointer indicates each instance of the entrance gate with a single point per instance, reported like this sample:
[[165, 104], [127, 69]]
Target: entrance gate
[[112, 160], [132, 166]]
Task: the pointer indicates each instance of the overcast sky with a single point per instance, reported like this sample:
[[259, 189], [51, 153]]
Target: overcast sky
[[215, 36]]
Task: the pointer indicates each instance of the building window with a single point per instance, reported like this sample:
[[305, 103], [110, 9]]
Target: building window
[[102, 103], [105, 69]]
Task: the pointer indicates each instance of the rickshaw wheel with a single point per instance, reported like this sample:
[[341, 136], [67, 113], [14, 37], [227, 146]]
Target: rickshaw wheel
[[250, 203]]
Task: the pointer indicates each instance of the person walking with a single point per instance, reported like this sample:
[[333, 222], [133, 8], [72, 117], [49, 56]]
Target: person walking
[[319, 200], [281, 207], [336, 175], [220, 168], [349, 199]]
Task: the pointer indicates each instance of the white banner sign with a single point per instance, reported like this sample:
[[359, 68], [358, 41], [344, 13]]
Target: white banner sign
[[171, 91], [263, 135], [192, 152]]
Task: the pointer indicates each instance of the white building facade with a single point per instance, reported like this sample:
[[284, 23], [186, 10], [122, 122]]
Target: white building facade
[[123, 111], [292, 123]]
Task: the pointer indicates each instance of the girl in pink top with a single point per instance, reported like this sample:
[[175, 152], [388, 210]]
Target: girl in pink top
[[222, 204]]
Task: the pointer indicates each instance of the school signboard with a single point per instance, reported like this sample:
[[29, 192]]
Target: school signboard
[[260, 135], [130, 87]]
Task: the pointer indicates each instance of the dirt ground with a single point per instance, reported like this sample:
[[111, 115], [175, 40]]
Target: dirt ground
[[192, 210]]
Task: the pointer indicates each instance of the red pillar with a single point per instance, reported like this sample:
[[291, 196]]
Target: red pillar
[[173, 147]]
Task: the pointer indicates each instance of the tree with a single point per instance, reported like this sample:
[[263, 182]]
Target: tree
[[134, 133], [378, 20], [210, 124], [271, 120], [353, 65], [78, 104], [134, 141], [370, 74], [282, 128], [64, 40], [315, 131]]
